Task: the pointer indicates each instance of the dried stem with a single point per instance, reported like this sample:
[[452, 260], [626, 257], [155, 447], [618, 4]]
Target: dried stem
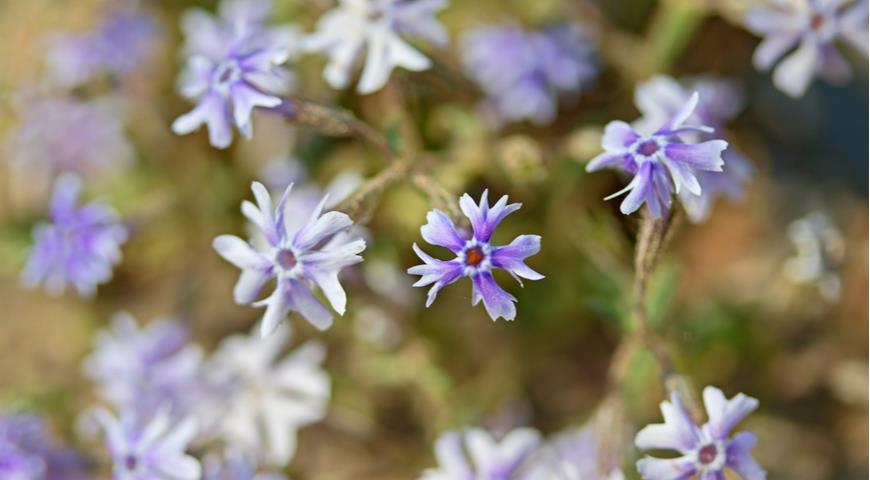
[[373, 187]]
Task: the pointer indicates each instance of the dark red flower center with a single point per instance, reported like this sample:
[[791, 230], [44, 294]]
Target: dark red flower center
[[131, 462], [473, 256], [286, 259], [708, 454], [816, 21], [647, 148]]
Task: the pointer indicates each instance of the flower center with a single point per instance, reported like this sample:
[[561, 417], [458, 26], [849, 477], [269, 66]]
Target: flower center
[[286, 259], [474, 256], [817, 20], [131, 462], [648, 148], [707, 454], [227, 73]]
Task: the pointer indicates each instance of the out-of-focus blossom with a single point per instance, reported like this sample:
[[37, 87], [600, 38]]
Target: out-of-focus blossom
[[233, 67], [719, 101], [706, 450], [268, 400], [122, 43], [80, 247], [475, 455], [233, 466], [151, 448], [376, 27], [813, 26], [475, 256], [525, 73], [820, 250], [145, 369], [28, 452], [299, 252], [64, 134], [662, 163], [574, 455]]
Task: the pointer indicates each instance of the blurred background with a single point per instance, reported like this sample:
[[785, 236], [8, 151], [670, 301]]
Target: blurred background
[[734, 299]]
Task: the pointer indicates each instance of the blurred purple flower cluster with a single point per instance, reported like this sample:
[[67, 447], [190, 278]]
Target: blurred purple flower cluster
[[525, 73], [29, 452]]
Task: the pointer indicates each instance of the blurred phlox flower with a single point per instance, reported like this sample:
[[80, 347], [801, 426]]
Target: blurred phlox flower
[[233, 466], [706, 450], [475, 256], [300, 251], [719, 101], [525, 73], [662, 162], [80, 246], [813, 26], [475, 455], [122, 43], [375, 26], [233, 66], [29, 452], [150, 448], [574, 455], [268, 400], [65, 134], [145, 369], [820, 249]]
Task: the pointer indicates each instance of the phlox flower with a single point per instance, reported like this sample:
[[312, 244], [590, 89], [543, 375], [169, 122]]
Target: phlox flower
[[475, 255], [233, 67], [475, 455], [267, 399], [149, 449], [80, 245], [574, 455], [297, 253], [662, 162], [813, 26], [376, 27], [706, 450], [29, 452]]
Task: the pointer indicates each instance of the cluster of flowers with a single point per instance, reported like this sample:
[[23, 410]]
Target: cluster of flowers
[[587, 454], [241, 405]]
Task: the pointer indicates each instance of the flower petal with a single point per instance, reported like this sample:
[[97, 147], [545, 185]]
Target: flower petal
[[738, 457], [239, 252], [248, 286], [618, 136], [701, 156], [511, 257], [794, 74], [440, 230], [498, 302], [666, 469], [303, 301], [724, 414], [679, 431]]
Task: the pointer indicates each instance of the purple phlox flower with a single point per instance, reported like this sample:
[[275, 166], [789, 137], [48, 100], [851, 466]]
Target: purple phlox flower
[[719, 101], [662, 162], [268, 400], [297, 255], [375, 26], [80, 245], [475, 455], [144, 369], [231, 465], [706, 450], [29, 452], [121, 44], [525, 73], [574, 455], [813, 26], [475, 256], [233, 67], [819, 252], [281, 171], [149, 448], [64, 134]]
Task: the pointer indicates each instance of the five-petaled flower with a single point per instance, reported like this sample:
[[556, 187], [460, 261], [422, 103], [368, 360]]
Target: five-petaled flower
[[706, 450], [296, 254], [79, 247], [813, 26], [375, 25], [475, 454], [234, 67], [475, 256], [149, 450], [662, 163], [719, 101]]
